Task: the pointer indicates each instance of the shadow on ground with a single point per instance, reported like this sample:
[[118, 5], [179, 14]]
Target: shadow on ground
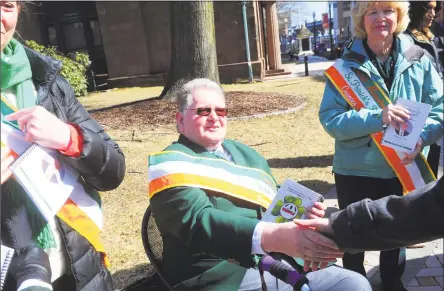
[[317, 78], [413, 266], [318, 186], [302, 162], [133, 279]]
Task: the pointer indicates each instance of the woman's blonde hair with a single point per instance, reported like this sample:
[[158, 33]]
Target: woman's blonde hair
[[359, 9]]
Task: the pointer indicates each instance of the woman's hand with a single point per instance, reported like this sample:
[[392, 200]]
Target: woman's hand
[[7, 157], [300, 242], [321, 225], [394, 115], [409, 158], [315, 211], [42, 127]]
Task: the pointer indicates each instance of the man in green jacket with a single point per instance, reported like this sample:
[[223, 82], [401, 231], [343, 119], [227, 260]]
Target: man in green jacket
[[208, 193]]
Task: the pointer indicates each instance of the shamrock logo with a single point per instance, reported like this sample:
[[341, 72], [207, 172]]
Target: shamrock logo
[[288, 209]]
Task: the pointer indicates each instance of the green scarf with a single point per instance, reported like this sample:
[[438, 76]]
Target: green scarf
[[17, 76]]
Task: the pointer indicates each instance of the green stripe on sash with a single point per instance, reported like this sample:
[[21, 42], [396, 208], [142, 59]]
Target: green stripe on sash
[[6, 109], [175, 156], [372, 88], [425, 171]]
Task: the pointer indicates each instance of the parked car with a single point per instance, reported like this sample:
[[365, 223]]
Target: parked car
[[320, 49], [340, 49]]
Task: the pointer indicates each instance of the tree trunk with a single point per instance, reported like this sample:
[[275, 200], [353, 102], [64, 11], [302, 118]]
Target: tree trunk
[[193, 45]]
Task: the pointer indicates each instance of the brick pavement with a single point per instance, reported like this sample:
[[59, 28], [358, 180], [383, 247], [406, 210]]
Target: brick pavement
[[424, 266]]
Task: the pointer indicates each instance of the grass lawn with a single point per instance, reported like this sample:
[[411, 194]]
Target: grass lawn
[[118, 96], [295, 144]]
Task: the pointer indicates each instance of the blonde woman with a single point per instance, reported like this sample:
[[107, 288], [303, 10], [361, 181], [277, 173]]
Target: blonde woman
[[379, 66]]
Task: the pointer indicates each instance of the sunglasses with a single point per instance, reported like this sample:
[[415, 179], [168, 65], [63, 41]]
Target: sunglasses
[[206, 111]]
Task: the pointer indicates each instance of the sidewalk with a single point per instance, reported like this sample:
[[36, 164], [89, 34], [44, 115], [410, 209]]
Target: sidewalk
[[424, 267]]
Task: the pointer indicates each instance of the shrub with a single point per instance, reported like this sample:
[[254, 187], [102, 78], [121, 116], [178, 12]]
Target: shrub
[[74, 71]]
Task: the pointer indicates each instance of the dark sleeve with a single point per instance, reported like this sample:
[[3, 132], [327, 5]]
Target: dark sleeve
[[31, 262], [101, 162], [187, 214], [392, 221]]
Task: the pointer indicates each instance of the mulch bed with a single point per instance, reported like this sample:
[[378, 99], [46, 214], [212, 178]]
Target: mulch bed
[[158, 112]]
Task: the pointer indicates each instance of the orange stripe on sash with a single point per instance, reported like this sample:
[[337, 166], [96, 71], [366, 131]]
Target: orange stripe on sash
[[72, 215], [390, 154], [177, 180], [395, 162]]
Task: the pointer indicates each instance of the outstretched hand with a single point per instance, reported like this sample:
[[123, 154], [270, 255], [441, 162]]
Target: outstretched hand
[[321, 225], [299, 242]]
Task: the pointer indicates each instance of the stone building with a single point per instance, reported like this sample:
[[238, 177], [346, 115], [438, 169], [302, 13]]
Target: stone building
[[129, 41], [343, 22]]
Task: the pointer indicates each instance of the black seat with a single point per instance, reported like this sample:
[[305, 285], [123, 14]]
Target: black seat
[[153, 244]]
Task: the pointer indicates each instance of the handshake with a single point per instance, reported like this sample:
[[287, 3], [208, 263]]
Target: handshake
[[303, 239]]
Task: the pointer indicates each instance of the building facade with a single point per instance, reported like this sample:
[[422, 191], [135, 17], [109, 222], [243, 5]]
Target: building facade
[[129, 42], [343, 22]]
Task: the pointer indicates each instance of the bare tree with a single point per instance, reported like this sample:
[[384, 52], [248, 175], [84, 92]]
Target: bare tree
[[293, 7], [193, 45]]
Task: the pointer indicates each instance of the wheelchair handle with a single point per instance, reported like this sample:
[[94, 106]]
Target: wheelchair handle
[[283, 272]]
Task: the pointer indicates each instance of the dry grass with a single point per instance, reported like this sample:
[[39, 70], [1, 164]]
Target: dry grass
[[295, 144], [118, 96]]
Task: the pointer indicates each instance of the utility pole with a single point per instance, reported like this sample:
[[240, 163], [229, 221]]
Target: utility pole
[[299, 15], [330, 22], [314, 30]]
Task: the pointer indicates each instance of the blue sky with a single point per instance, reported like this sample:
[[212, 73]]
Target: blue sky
[[318, 7]]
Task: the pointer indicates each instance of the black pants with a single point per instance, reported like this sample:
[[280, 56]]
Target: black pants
[[351, 189], [65, 283], [433, 158]]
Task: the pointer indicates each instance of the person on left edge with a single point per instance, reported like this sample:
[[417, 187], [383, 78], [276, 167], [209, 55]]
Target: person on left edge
[[64, 253], [379, 66]]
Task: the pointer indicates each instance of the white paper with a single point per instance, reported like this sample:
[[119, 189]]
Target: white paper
[[5, 251], [6, 257], [290, 202], [405, 139], [47, 179]]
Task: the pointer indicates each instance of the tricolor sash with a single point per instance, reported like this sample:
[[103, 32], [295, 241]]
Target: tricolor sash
[[170, 169], [82, 211], [360, 91]]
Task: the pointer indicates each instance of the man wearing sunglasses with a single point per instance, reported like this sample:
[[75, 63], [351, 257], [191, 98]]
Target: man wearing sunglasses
[[207, 194]]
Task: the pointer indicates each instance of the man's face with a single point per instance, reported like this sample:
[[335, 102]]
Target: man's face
[[206, 131], [8, 13]]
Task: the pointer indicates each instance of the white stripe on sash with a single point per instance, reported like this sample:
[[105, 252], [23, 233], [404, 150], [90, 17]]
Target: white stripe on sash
[[356, 85], [414, 172], [14, 139], [87, 204], [181, 167]]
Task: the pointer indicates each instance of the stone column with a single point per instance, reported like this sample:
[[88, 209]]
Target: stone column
[[274, 51]]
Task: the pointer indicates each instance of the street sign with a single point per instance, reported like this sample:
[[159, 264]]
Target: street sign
[[325, 21]]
